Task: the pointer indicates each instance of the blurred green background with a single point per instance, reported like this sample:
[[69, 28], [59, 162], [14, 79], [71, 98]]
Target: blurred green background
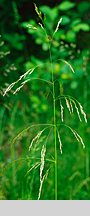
[[22, 48]]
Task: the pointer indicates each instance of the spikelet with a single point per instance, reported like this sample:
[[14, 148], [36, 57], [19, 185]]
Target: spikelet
[[25, 81], [9, 88], [40, 188], [42, 161], [62, 114], [71, 106], [78, 137], [37, 11], [18, 89], [81, 140], [74, 132], [57, 27], [67, 63], [68, 105], [33, 167], [41, 25], [29, 72], [77, 110], [83, 113], [60, 142], [41, 184], [31, 27], [43, 151], [36, 138]]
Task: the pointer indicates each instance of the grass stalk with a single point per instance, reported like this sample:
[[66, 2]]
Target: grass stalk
[[54, 121], [55, 143]]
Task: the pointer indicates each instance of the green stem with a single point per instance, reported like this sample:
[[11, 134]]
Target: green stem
[[55, 143], [54, 119]]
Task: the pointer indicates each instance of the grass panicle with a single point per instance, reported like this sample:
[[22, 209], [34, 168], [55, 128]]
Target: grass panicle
[[31, 27], [83, 113], [8, 89], [62, 111], [38, 12], [77, 110], [40, 24], [68, 104], [36, 138], [78, 137], [42, 177], [67, 63], [71, 106], [72, 103], [59, 138], [58, 25]]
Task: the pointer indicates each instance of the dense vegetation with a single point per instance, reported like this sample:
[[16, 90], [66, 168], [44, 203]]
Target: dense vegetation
[[24, 45]]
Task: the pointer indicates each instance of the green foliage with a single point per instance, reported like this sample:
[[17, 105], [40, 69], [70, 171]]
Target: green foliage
[[82, 26], [66, 5], [15, 40], [83, 7]]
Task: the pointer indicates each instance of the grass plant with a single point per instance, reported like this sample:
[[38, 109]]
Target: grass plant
[[66, 102]]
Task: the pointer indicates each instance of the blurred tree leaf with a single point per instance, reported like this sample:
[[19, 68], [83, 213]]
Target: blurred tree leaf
[[81, 26], [75, 22], [74, 84], [66, 5], [45, 46], [15, 40], [51, 13], [66, 20], [83, 7], [70, 36]]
